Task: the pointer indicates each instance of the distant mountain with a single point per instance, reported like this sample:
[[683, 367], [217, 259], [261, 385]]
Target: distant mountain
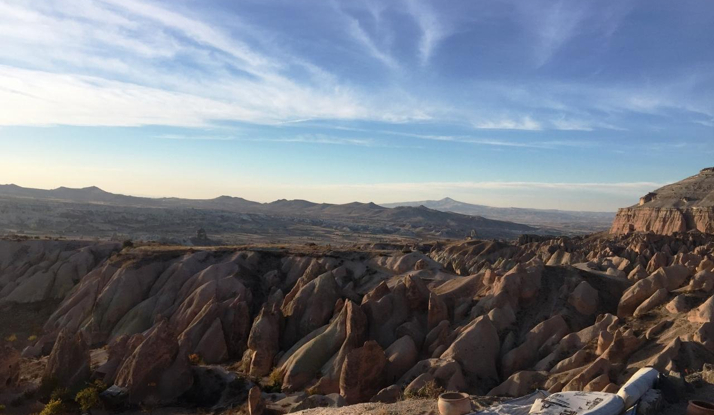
[[289, 216], [561, 220]]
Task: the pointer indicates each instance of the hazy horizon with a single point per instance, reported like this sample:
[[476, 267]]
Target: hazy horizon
[[556, 186], [539, 104]]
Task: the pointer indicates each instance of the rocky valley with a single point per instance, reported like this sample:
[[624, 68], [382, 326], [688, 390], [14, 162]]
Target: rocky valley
[[372, 323], [365, 327]]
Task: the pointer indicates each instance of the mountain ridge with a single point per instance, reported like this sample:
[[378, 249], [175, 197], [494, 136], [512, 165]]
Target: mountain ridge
[[218, 215], [564, 220]]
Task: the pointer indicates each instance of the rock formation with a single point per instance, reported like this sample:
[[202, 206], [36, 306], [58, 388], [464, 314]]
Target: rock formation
[[679, 207], [375, 322]]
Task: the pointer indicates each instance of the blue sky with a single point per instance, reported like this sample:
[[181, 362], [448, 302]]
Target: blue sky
[[557, 104]]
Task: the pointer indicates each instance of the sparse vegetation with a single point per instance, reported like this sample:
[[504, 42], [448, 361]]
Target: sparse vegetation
[[128, 243], [88, 398], [195, 359], [275, 381], [54, 407], [32, 338], [11, 338], [61, 394], [430, 390]]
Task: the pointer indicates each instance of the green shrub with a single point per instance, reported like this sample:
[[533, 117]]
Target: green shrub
[[275, 382], [87, 398], [53, 407], [11, 338], [61, 394], [32, 338]]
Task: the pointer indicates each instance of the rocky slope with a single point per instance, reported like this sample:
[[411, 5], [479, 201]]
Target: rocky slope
[[167, 325], [679, 207]]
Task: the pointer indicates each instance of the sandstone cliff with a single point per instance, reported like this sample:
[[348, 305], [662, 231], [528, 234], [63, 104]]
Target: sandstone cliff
[[679, 207]]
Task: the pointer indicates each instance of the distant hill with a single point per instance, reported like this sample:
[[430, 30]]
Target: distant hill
[[281, 218], [561, 220]]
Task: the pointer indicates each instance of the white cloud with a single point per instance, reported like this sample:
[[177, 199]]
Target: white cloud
[[433, 30], [524, 123]]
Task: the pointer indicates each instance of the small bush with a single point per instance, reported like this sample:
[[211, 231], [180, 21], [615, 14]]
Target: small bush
[[32, 338], [127, 244], [2, 408], [87, 398], [53, 407], [275, 382], [195, 359], [11, 338], [429, 391], [60, 394]]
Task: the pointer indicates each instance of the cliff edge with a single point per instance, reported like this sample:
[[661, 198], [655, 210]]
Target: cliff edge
[[678, 207]]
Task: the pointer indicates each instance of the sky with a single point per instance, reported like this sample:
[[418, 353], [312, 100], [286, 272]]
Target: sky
[[580, 105]]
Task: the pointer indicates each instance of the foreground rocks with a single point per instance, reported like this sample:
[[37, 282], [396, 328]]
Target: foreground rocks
[[346, 327]]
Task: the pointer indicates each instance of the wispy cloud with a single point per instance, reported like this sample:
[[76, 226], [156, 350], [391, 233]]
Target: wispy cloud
[[525, 123], [129, 63], [433, 30], [298, 138], [357, 32]]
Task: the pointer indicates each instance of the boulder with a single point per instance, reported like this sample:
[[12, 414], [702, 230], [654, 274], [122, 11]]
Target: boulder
[[655, 300], [355, 336], [663, 360], [669, 278], [476, 349], [156, 372], [598, 384], [447, 373], [584, 298], [401, 356], [598, 367], [579, 359], [638, 273], [520, 384], [363, 373], [9, 366], [309, 308], [702, 281], [256, 404], [69, 361], [438, 311], [502, 317], [390, 394], [263, 341], [657, 261], [704, 313], [527, 353], [320, 401], [705, 336], [306, 362], [677, 305]]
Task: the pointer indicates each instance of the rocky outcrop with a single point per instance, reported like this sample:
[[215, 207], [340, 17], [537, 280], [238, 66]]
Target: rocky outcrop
[[9, 366], [366, 324], [363, 373], [675, 208], [157, 371], [68, 364]]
